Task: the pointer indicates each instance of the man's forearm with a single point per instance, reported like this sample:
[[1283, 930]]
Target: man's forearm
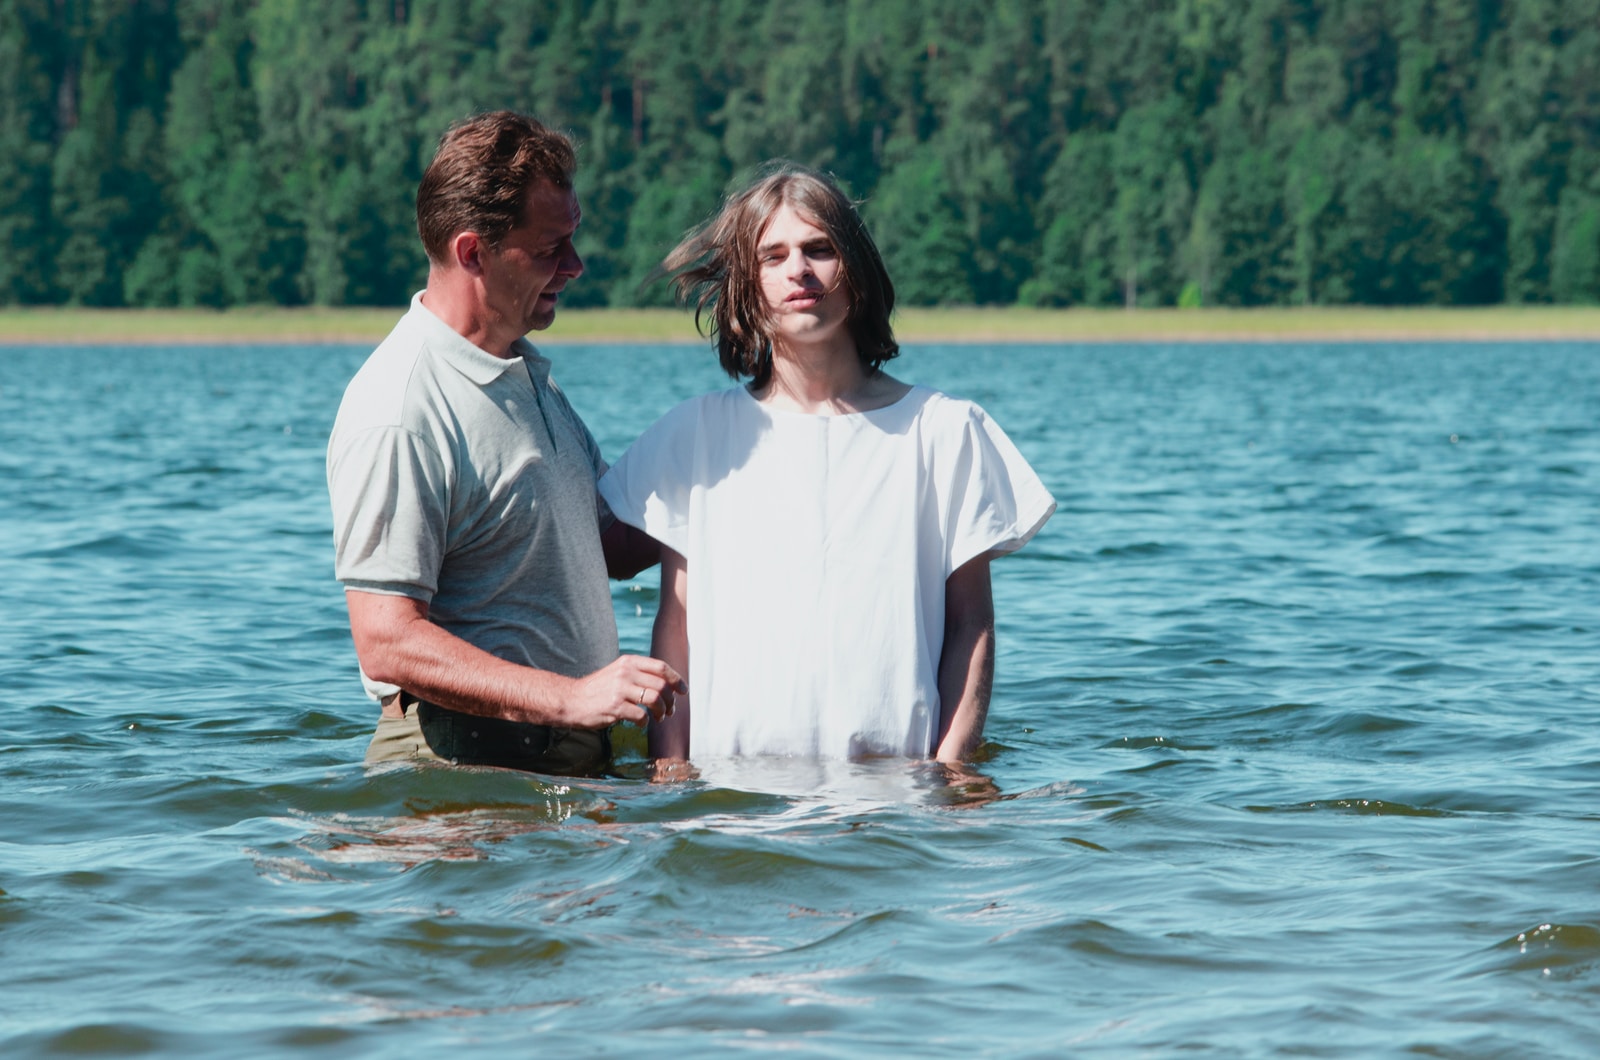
[[398, 645]]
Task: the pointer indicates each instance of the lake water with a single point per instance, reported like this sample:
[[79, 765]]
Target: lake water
[[1294, 745]]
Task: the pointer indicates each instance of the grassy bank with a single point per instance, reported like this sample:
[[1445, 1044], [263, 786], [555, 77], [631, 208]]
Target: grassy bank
[[361, 326], [366, 326]]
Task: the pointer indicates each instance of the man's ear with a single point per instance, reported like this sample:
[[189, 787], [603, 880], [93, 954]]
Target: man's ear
[[466, 250]]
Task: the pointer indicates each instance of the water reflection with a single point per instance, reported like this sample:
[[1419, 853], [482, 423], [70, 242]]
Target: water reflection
[[728, 795], [854, 783], [965, 786], [435, 835]]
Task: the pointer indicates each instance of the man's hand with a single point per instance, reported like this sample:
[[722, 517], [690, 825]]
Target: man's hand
[[634, 688]]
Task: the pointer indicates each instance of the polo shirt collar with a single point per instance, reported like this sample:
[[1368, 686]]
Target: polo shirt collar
[[474, 362], [538, 363]]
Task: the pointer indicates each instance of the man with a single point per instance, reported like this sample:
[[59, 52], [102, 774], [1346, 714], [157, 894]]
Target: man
[[466, 521]]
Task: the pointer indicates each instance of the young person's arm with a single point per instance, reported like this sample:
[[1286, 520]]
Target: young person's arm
[[628, 550], [669, 642], [966, 664]]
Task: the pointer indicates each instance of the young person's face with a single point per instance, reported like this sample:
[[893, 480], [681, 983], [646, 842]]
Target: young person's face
[[801, 279]]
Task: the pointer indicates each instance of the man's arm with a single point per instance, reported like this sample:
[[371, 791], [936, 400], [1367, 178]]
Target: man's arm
[[628, 550], [398, 645], [669, 642], [966, 665]]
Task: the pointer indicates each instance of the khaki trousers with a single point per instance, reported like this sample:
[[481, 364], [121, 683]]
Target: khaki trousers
[[430, 733]]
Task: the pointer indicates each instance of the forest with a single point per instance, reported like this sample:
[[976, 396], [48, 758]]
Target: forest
[[1042, 152]]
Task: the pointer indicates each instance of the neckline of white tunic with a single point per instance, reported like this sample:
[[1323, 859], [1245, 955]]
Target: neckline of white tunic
[[775, 411]]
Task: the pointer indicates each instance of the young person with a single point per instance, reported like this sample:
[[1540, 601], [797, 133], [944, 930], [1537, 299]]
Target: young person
[[826, 529]]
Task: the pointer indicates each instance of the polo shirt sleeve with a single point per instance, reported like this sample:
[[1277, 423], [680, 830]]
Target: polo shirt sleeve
[[390, 495]]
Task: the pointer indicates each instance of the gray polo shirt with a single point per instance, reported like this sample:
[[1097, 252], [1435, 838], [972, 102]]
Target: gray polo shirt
[[466, 481]]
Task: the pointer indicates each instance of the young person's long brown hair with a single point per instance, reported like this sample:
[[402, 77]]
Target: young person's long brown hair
[[717, 270]]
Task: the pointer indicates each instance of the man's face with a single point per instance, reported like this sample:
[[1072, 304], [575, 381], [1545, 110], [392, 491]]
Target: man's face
[[524, 276]]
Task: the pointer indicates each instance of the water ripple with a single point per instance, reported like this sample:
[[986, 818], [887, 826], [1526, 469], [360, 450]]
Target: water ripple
[[1291, 750]]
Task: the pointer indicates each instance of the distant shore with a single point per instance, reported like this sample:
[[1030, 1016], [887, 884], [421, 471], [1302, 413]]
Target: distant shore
[[366, 326]]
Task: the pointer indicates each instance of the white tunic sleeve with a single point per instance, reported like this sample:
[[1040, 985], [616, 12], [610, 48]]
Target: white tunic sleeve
[[994, 502], [650, 486]]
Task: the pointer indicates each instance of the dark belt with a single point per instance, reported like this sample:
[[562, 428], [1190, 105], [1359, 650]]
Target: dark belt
[[474, 740]]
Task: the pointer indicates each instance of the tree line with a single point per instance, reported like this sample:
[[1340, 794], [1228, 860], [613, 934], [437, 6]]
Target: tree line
[[1048, 152]]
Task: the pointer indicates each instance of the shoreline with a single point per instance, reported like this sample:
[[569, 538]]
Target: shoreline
[[254, 326]]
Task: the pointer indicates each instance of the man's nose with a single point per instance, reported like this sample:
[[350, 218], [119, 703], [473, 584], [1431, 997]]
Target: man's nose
[[571, 264]]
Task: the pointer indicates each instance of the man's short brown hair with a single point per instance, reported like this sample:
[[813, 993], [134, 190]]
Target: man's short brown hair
[[479, 178]]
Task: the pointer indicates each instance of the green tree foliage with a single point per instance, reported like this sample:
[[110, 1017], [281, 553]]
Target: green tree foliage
[[28, 75], [1575, 259], [106, 171], [1055, 152], [1076, 263], [919, 231]]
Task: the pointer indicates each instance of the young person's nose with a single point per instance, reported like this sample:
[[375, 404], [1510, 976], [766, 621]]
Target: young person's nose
[[798, 267]]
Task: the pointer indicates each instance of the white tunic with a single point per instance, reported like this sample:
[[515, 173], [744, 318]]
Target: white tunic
[[818, 547]]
